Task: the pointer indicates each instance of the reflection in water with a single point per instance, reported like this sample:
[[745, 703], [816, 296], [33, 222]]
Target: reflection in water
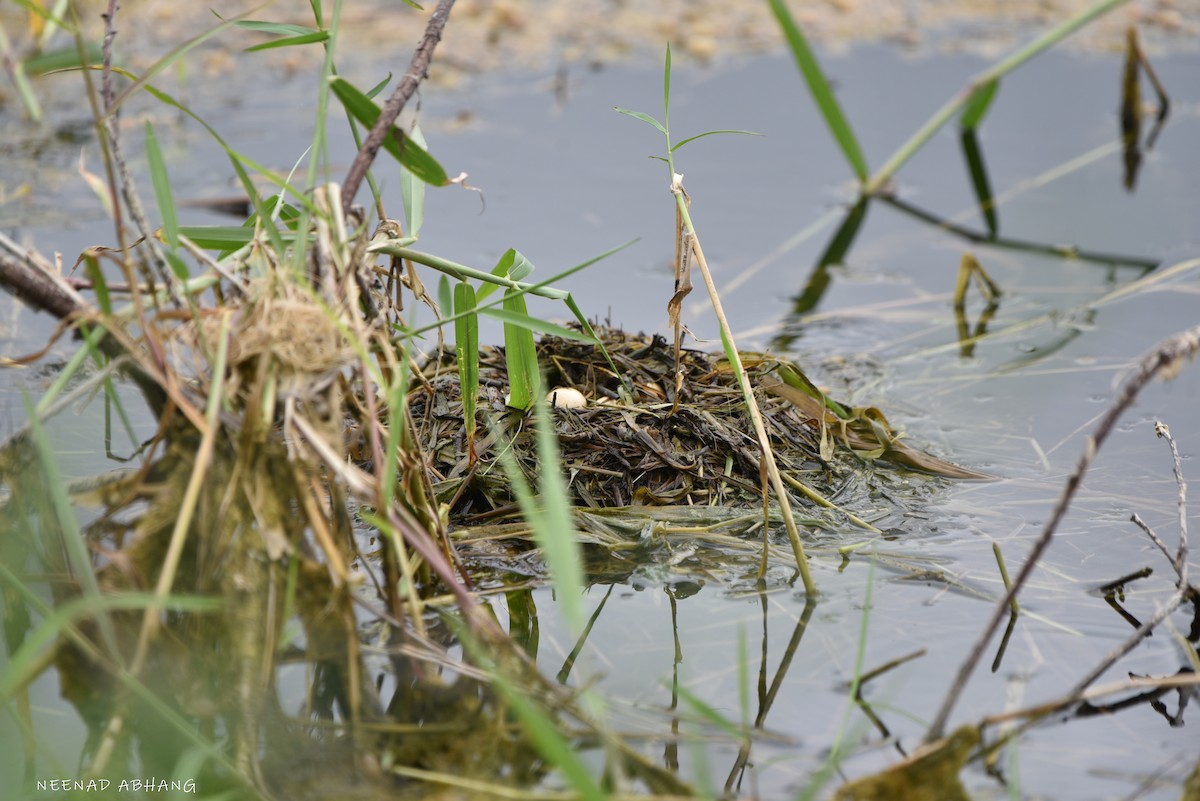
[[970, 269], [212, 692], [1132, 110], [379, 708], [564, 672], [767, 695], [840, 244], [1064, 252], [835, 253]]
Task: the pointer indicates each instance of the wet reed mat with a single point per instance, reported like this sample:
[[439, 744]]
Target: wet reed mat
[[632, 441]]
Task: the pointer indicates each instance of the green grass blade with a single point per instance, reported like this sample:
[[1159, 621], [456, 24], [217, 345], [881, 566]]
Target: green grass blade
[[520, 355], [318, 161], [89, 348], [520, 268], [412, 188], [821, 91], [67, 629], [993, 73], [379, 87], [512, 267], [466, 339], [710, 714], [509, 317], [177, 265], [226, 237], [979, 180], [91, 268], [166, 61], [551, 743], [667, 89], [45, 14], [646, 118], [978, 105], [1050, 38], [549, 514], [29, 99], [240, 162], [161, 182], [445, 298], [291, 41], [78, 554], [61, 59], [25, 663], [398, 143], [54, 24], [277, 28], [20, 80], [397, 400], [542, 288], [587, 329], [678, 145]]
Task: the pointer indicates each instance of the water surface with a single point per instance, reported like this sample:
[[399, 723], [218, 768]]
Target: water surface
[[567, 178]]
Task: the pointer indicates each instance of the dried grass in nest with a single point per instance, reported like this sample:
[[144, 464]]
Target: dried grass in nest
[[617, 451], [297, 334]]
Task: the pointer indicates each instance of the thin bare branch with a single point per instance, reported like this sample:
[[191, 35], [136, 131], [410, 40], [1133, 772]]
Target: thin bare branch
[[1050, 707], [1157, 540], [1166, 358], [34, 281], [1180, 560], [1131, 642], [418, 68], [133, 203]]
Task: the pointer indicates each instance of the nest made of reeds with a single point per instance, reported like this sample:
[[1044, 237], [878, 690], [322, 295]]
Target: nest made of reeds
[[630, 443]]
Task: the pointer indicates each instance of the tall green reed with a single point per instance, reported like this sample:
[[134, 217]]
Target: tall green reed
[[971, 103]]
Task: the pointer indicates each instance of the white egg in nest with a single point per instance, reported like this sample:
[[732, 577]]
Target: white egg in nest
[[566, 398]]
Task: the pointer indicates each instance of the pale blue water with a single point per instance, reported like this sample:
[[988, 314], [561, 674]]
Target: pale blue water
[[565, 182]]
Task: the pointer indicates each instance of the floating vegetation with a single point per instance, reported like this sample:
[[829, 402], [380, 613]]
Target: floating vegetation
[[630, 444]]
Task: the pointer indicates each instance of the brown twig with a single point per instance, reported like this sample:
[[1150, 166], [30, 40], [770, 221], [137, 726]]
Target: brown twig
[[1040, 711], [133, 203], [417, 70], [1178, 562], [1137, 520], [110, 33], [1131, 642], [1165, 358], [34, 281]]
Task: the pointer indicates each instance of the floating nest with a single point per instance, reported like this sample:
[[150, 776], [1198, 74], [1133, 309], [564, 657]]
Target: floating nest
[[631, 444]]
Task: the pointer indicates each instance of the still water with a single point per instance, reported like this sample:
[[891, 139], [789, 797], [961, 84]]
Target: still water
[[564, 178]]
